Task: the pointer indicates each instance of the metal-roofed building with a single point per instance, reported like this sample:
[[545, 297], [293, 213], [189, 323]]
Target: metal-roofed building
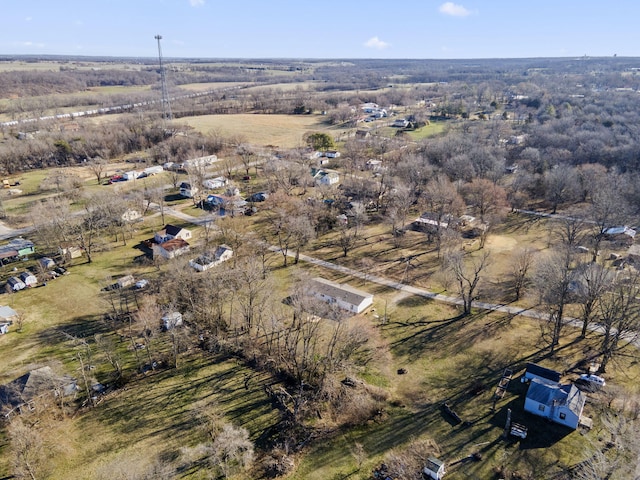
[[559, 403], [343, 295]]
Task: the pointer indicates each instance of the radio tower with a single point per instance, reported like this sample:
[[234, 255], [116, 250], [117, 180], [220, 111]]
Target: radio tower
[[166, 106]]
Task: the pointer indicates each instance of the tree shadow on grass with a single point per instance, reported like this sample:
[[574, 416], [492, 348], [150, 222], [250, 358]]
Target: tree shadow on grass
[[425, 334], [81, 328]]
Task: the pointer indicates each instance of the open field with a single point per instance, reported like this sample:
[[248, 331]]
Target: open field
[[283, 131]]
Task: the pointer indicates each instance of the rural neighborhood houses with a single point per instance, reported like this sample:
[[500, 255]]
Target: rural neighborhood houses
[[343, 295], [16, 249]]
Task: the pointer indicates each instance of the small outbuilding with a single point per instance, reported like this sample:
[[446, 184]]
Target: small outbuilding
[[171, 320], [7, 314], [47, 263], [28, 278], [434, 468], [15, 284], [125, 281]]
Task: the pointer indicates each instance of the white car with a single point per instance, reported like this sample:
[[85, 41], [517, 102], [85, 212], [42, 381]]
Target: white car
[[595, 379]]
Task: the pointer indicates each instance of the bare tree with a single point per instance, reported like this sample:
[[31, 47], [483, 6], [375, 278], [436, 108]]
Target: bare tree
[[522, 261], [468, 275], [98, 167], [594, 281], [28, 449], [553, 279], [619, 316], [442, 202], [247, 154]]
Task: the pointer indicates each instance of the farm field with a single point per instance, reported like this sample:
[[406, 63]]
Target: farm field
[[282, 131]]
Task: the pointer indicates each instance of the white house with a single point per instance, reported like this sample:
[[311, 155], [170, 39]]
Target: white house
[[559, 403], [169, 232], [4, 328], [210, 259], [188, 190], [325, 177], [171, 248], [343, 295], [213, 183], [331, 154]]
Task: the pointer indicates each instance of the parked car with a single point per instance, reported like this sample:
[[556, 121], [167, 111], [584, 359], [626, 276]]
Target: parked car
[[593, 379]]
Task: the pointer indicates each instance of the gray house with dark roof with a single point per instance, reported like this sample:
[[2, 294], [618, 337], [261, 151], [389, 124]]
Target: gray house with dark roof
[[343, 295], [559, 403]]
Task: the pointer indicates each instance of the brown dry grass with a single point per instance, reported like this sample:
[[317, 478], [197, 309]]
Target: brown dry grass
[[285, 131]]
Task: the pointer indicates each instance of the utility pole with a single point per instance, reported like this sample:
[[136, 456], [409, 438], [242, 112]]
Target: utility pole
[[166, 106]]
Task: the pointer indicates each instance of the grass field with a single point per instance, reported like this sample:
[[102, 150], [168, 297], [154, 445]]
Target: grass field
[[284, 131]]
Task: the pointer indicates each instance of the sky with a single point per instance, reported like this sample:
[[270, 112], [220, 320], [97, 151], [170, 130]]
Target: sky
[[417, 29]]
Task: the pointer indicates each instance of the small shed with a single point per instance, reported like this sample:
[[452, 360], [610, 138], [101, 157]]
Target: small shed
[[46, 263], [69, 251], [15, 284], [28, 278], [126, 281], [434, 468], [171, 320], [4, 328], [7, 314]]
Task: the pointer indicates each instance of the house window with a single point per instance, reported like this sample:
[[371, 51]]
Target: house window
[[541, 408], [563, 416]]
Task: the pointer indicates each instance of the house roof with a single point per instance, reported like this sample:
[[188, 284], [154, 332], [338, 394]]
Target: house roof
[[174, 244], [543, 372], [557, 395], [341, 291], [172, 230], [33, 384], [621, 230], [7, 312], [433, 464]]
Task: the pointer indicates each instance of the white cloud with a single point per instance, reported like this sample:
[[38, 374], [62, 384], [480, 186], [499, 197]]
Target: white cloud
[[196, 3], [32, 44], [375, 42], [453, 9]]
